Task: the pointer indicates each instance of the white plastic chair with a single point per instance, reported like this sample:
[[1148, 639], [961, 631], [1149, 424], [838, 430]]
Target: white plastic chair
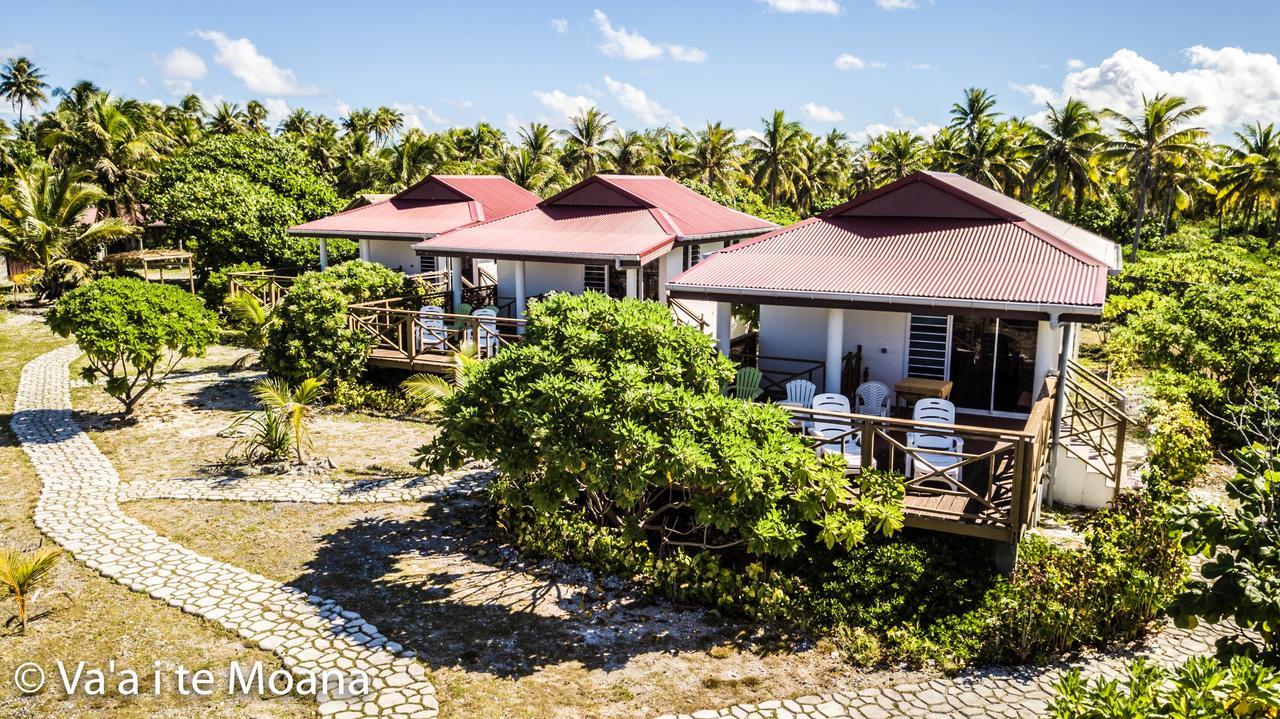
[[831, 402], [932, 409], [849, 446], [800, 392], [487, 341], [945, 465], [431, 332], [872, 398]]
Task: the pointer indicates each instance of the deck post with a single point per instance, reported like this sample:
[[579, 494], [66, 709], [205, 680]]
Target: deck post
[[1059, 407], [324, 253], [455, 281], [724, 326], [633, 282], [835, 349], [518, 266], [662, 278]]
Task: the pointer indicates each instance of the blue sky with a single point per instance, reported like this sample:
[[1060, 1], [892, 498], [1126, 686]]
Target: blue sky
[[854, 64]]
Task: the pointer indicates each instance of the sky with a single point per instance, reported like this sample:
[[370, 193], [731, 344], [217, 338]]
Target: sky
[[858, 65]]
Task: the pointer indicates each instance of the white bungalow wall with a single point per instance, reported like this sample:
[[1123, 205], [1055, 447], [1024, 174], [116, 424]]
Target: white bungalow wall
[[396, 254], [801, 333], [539, 278]]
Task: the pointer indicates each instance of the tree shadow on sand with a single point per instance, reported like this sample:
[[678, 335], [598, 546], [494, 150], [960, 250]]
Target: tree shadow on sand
[[445, 585]]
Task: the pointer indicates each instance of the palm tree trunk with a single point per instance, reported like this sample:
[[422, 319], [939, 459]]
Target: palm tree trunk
[[1057, 188], [1275, 226], [1141, 211]]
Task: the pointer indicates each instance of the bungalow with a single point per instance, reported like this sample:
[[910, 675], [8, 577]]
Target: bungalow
[[624, 235], [934, 277], [387, 229]]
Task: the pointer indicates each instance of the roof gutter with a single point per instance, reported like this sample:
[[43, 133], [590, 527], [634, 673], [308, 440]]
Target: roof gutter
[[1053, 310], [729, 234], [417, 236]]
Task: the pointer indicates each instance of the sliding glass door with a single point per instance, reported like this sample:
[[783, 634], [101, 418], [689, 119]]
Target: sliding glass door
[[992, 364]]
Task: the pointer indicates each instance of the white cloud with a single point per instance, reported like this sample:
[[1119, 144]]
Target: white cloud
[[822, 7], [513, 122], [849, 61], [1039, 94], [564, 105], [1235, 86], [618, 42], [182, 64], [16, 49], [628, 45], [901, 121], [681, 53], [897, 4], [559, 24], [640, 104], [1074, 64], [821, 113], [277, 110], [257, 71], [747, 133], [919, 66], [415, 114]]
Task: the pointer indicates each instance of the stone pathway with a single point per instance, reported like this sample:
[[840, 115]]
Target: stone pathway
[[78, 510], [308, 490]]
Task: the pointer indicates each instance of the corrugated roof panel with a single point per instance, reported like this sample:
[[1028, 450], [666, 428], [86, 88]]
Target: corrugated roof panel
[[606, 232], [977, 260]]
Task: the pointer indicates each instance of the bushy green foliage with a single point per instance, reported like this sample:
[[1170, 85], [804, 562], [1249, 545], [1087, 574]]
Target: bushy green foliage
[[217, 284], [1179, 442], [745, 200], [1058, 599], [310, 336], [357, 396], [1241, 580], [133, 332], [612, 410], [1201, 688], [231, 198]]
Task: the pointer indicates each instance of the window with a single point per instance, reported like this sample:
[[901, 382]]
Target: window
[[595, 278], [927, 347], [428, 263], [693, 255]]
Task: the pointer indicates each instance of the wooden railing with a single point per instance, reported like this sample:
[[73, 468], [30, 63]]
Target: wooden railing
[[1095, 424], [268, 286], [486, 277], [429, 282], [401, 331], [987, 486], [776, 371], [685, 316], [481, 295]]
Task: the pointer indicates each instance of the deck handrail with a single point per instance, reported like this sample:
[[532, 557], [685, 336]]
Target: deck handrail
[[683, 314], [267, 285], [1095, 417], [486, 277], [1098, 383], [774, 381], [405, 333]]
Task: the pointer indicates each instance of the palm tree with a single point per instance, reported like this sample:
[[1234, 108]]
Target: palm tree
[[977, 108], [384, 123], [716, 155], [1252, 172], [118, 140], [298, 122], [254, 322], [22, 84], [672, 152], [895, 154], [21, 574], [520, 166], [480, 143], [40, 224], [227, 119], [415, 156], [628, 153], [584, 141], [774, 157], [1144, 142], [995, 155], [539, 140], [255, 116], [1064, 150], [293, 405]]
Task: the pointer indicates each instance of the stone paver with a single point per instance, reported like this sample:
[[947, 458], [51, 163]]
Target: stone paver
[[308, 490], [78, 510]]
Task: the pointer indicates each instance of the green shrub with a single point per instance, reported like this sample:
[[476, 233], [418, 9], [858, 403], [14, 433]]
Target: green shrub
[[1201, 688], [217, 284], [611, 411], [357, 396], [133, 332], [310, 336], [1180, 449], [1241, 580], [1129, 569]]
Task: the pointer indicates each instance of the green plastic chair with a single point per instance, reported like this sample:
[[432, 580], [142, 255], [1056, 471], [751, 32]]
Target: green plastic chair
[[746, 385], [463, 309]]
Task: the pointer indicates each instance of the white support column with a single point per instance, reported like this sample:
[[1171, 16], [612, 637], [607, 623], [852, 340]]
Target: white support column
[[455, 281], [662, 278], [364, 250], [724, 326], [324, 253], [1048, 339], [518, 267], [835, 349], [633, 282]]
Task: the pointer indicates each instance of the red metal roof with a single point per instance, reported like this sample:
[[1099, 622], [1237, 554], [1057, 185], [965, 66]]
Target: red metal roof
[[437, 204], [623, 217], [875, 252]]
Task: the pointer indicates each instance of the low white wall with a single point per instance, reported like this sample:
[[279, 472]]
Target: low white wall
[[801, 332], [540, 277], [396, 254]]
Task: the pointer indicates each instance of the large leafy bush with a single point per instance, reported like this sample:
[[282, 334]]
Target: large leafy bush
[[1241, 580], [133, 332], [231, 198], [610, 411], [310, 337], [1201, 688]]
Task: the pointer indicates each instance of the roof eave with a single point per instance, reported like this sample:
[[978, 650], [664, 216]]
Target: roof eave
[[362, 235]]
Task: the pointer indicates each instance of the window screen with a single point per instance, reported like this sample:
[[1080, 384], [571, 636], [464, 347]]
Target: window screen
[[927, 347]]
